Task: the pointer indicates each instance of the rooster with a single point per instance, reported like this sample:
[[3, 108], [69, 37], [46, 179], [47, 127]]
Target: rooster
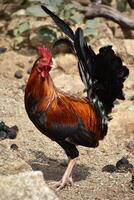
[[69, 120]]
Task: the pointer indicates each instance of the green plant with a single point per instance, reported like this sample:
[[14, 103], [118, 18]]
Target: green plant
[[19, 32]]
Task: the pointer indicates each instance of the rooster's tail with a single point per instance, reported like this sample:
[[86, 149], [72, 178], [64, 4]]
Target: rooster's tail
[[103, 74]]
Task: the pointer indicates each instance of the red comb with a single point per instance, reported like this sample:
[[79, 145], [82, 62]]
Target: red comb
[[45, 54]]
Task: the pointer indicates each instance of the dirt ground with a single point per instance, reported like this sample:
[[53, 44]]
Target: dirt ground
[[90, 183]]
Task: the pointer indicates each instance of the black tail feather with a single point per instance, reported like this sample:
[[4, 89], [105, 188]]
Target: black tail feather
[[103, 74], [84, 56], [110, 74], [60, 23]]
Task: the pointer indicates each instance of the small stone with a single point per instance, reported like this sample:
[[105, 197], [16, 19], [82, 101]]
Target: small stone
[[14, 128], [8, 132], [109, 168], [122, 161], [14, 147], [18, 74], [123, 165], [12, 132], [2, 50]]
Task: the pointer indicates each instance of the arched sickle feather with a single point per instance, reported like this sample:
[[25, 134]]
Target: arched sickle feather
[[85, 53], [60, 23], [85, 56]]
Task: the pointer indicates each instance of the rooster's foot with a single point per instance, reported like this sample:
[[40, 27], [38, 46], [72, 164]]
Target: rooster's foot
[[59, 185], [67, 177]]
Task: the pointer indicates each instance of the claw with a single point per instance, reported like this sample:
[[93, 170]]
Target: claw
[[66, 179], [59, 185]]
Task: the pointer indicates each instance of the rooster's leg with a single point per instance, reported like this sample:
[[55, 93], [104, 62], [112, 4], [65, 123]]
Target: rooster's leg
[[67, 177]]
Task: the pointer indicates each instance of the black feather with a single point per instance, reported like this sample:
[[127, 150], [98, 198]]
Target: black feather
[[110, 74], [85, 56], [60, 23]]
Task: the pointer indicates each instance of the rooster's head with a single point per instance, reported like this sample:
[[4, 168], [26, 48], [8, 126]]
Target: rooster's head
[[44, 62]]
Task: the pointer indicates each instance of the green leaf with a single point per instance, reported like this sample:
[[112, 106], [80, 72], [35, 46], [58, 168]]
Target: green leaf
[[23, 27]]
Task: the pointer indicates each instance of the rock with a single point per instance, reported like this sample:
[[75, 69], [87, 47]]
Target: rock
[[25, 186], [18, 74], [14, 147], [8, 132], [122, 161], [12, 133], [109, 168], [3, 135], [11, 162], [2, 50], [123, 165]]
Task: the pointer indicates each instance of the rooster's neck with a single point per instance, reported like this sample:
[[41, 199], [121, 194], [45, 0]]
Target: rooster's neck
[[48, 86], [40, 87]]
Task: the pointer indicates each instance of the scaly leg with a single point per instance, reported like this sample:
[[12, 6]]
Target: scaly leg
[[67, 177]]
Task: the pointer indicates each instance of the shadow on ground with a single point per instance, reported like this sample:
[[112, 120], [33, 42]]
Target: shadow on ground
[[53, 169]]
